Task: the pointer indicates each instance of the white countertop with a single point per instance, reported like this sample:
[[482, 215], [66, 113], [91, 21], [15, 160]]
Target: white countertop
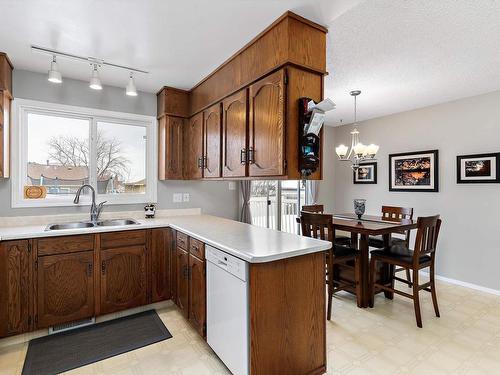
[[248, 242]]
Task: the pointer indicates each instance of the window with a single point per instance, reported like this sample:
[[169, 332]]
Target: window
[[276, 204], [61, 148]]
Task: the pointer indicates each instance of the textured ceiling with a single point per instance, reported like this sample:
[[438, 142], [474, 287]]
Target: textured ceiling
[[402, 54]]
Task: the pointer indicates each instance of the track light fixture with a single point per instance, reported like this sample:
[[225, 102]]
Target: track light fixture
[[95, 81], [54, 73], [131, 90]]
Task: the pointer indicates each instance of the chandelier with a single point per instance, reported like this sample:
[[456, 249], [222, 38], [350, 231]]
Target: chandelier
[[358, 152]]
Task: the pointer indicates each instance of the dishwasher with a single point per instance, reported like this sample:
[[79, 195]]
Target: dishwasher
[[227, 309]]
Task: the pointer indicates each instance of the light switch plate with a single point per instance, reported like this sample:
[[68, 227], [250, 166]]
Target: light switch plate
[[185, 197], [232, 185], [177, 197]]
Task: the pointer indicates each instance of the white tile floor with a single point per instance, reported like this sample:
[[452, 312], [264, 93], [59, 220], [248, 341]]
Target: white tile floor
[[384, 340]]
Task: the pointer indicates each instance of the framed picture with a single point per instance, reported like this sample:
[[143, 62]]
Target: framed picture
[[414, 171], [478, 169], [365, 174]]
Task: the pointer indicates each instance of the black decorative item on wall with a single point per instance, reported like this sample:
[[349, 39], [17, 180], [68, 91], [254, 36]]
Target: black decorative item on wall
[[414, 171], [478, 168], [365, 174]]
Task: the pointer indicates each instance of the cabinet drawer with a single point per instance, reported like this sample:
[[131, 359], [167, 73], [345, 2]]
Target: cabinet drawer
[[182, 240], [121, 239], [197, 248], [66, 244]]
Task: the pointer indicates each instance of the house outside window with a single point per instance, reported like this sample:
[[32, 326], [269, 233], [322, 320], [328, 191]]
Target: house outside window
[[60, 148]]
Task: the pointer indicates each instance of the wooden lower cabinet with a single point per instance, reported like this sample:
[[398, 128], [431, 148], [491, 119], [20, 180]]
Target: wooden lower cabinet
[[182, 280], [197, 295], [15, 287], [123, 278], [65, 288], [162, 246]]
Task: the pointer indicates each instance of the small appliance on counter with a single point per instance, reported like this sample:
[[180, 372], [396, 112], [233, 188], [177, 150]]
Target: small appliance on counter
[[150, 210]]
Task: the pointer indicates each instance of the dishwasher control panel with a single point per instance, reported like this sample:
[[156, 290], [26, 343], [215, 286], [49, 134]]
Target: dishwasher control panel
[[229, 263]]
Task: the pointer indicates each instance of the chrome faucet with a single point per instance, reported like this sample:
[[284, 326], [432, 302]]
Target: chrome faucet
[[95, 210]]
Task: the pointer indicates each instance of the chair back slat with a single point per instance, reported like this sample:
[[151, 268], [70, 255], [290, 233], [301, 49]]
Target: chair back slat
[[316, 208], [427, 236], [317, 225], [393, 213]]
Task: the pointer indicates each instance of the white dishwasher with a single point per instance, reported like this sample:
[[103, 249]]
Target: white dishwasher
[[227, 309]]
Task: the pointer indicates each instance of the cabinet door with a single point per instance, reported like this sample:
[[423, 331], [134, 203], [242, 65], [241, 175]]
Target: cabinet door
[[15, 287], [65, 289], [267, 126], [161, 264], [123, 278], [234, 113], [193, 147], [175, 126], [197, 294], [212, 142], [5, 100], [182, 265]]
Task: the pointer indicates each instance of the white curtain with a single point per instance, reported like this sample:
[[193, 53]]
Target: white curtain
[[312, 188], [246, 188]]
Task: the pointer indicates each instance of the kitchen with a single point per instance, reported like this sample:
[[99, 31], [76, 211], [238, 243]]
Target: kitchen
[[164, 230]]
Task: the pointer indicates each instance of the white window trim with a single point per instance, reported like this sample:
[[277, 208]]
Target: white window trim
[[21, 107]]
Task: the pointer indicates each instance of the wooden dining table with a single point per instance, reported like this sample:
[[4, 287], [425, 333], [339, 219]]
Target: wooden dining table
[[360, 231]]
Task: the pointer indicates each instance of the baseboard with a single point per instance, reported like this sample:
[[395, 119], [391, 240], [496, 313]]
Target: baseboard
[[464, 284]]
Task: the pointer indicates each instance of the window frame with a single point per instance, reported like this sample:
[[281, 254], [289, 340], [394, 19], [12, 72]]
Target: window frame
[[20, 110]]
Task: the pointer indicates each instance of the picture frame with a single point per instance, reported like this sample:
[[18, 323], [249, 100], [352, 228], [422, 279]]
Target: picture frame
[[414, 171], [478, 168], [365, 174]]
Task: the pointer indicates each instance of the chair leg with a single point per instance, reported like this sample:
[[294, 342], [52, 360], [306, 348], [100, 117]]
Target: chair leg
[[371, 302], [408, 277], [416, 299], [433, 290]]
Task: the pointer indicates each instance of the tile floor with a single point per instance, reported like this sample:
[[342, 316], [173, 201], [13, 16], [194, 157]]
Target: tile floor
[[383, 340]]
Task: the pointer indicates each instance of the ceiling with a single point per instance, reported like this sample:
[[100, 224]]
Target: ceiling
[[402, 54]]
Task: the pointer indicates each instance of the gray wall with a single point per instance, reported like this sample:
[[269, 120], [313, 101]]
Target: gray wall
[[214, 197], [468, 250]]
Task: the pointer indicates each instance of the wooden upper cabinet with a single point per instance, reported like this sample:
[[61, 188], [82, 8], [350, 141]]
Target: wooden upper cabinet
[[161, 263], [123, 278], [182, 280], [193, 148], [234, 135], [65, 288], [15, 287], [266, 151], [5, 104], [212, 142], [197, 294], [170, 147], [173, 102]]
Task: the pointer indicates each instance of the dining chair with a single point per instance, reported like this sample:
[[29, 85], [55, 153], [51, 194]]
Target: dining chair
[[320, 226], [423, 256], [392, 213], [319, 209]]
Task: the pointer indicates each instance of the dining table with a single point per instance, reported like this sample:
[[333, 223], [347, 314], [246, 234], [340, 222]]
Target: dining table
[[361, 229]]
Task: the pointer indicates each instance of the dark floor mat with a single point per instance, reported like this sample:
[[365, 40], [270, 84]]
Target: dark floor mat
[[68, 350]]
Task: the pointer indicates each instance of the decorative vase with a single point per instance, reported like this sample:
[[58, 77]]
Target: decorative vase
[[359, 207]]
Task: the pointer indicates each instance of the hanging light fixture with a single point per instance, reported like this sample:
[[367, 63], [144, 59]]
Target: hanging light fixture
[[358, 152], [54, 73], [131, 90], [95, 81]]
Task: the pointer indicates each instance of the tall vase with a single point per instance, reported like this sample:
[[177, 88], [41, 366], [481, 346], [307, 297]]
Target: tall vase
[[359, 207]]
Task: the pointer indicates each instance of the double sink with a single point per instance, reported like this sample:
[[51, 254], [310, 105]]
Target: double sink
[[88, 224]]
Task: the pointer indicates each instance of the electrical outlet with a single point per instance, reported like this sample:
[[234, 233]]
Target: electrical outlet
[[185, 197], [232, 185], [177, 198]]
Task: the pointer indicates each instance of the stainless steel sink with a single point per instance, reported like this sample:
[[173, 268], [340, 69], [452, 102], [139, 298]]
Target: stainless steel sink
[[116, 222], [88, 224], [75, 225]]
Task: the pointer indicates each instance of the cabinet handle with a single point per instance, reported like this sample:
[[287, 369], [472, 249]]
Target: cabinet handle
[[89, 270], [243, 156], [103, 267], [199, 162], [251, 155]]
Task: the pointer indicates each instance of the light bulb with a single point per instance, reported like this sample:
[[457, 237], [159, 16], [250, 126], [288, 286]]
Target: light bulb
[[341, 151]]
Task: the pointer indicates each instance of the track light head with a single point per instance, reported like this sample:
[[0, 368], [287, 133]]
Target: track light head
[[131, 90], [95, 81], [54, 73]]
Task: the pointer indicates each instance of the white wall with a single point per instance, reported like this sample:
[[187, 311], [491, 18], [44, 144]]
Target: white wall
[[214, 197], [468, 248]]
